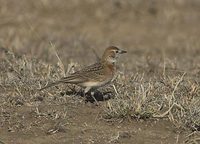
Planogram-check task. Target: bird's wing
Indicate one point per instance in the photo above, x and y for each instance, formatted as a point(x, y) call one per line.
point(73, 79)
point(90, 68)
point(93, 72)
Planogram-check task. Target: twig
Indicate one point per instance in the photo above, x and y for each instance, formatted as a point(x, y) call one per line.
point(59, 60)
point(165, 113)
point(96, 55)
point(115, 89)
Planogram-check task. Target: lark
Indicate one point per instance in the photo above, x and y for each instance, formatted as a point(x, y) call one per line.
point(96, 75)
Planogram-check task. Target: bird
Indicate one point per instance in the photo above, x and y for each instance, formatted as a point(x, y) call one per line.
point(96, 75)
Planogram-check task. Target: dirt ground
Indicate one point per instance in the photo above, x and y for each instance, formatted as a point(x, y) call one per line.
point(84, 125)
point(162, 39)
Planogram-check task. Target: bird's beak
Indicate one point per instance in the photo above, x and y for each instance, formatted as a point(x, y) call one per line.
point(122, 51)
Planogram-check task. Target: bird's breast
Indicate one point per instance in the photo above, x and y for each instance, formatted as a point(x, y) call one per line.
point(111, 69)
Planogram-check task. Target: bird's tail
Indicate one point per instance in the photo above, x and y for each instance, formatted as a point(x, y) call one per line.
point(50, 85)
point(73, 79)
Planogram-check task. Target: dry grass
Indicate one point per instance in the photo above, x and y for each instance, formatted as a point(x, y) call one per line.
point(174, 97)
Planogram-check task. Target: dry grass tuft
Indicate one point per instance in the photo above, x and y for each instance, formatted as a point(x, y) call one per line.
point(176, 98)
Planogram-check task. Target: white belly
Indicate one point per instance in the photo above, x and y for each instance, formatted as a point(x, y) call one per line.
point(94, 84)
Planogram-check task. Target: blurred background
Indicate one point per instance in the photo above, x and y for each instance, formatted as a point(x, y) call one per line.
point(155, 33)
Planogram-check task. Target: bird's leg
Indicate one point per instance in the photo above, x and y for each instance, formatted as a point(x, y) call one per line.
point(92, 94)
point(87, 89)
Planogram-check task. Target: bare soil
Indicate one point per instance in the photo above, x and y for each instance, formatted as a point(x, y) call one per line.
point(83, 124)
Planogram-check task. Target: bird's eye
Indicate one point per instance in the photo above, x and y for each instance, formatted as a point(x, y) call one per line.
point(117, 51)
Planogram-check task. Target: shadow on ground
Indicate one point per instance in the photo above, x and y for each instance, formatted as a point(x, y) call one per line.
point(99, 96)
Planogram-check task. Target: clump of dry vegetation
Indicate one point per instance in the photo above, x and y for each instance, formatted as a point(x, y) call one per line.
point(174, 97)
point(21, 78)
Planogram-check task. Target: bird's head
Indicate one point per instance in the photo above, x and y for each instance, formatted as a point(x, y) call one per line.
point(111, 54)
